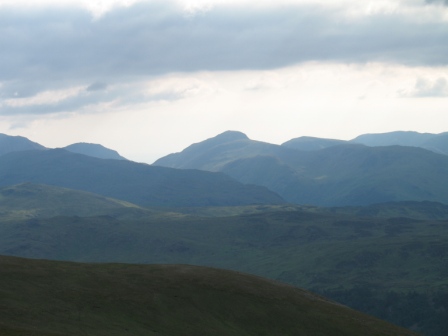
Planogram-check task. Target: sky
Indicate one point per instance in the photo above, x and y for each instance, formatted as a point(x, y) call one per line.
point(149, 78)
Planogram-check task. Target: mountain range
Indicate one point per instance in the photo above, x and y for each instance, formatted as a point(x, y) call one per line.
point(10, 144)
point(372, 168)
point(339, 174)
point(138, 183)
point(437, 143)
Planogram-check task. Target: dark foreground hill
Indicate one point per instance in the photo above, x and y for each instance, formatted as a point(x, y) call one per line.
point(339, 175)
point(130, 181)
point(46, 298)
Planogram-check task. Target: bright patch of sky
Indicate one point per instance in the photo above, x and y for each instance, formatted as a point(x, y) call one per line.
point(148, 78)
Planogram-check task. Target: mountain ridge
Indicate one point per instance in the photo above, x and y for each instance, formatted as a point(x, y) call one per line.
point(137, 183)
point(94, 150)
point(337, 175)
point(10, 144)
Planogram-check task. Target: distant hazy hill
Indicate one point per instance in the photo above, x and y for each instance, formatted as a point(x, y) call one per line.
point(10, 144)
point(348, 174)
point(133, 182)
point(437, 143)
point(306, 143)
point(94, 150)
point(56, 298)
point(401, 138)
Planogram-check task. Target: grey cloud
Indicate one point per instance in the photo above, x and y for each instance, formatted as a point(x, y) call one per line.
point(444, 2)
point(119, 96)
point(70, 104)
point(97, 86)
point(64, 47)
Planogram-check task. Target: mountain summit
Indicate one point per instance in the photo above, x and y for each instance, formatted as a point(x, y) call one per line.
point(10, 144)
point(94, 150)
point(214, 153)
point(231, 136)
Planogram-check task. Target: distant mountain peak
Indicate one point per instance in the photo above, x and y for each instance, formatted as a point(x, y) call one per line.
point(232, 136)
point(94, 150)
point(308, 143)
point(9, 143)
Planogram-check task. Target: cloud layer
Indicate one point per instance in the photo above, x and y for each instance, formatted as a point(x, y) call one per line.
point(57, 48)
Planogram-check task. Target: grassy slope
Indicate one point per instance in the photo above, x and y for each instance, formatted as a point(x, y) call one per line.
point(55, 298)
point(415, 210)
point(28, 200)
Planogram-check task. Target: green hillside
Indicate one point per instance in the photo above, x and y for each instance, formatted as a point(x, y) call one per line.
point(57, 298)
point(28, 200)
point(133, 182)
point(415, 210)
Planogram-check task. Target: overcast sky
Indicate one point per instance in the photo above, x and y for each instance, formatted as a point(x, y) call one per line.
point(148, 78)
